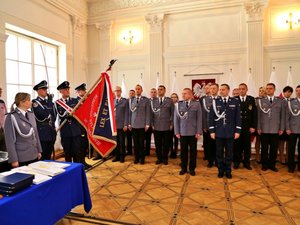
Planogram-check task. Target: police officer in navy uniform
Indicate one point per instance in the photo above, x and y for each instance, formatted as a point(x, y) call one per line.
point(225, 126)
point(81, 91)
point(188, 128)
point(242, 145)
point(71, 132)
point(43, 109)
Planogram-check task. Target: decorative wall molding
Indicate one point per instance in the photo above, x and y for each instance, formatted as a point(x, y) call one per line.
point(104, 26)
point(254, 10)
point(155, 22)
point(79, 8)
point(77, 24)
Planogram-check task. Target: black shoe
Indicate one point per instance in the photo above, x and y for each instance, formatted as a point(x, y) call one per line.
point(220, 174)
point(228, 175)
point(115, 160)
point(236, 166)
point(128, 153)
point(264, 168)
point(182, 172)
point(291, 170)
point(173, 156)
point(274, 169)
point(192, 173)
point(248, 167)
point(158, 162)
point(122, 160)
point(136, 161)
point(210, 164)
point(165, 162)
point(142, 162)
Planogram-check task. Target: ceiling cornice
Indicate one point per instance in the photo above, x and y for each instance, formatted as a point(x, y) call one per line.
point(77, 8)
point(99, 11)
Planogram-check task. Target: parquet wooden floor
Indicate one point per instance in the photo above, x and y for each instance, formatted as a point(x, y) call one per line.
point(157, 195)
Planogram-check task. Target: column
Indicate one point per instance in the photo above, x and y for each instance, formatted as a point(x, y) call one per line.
point(254, 12)
point(104, 29)
point(156, 47)
point(78, 55)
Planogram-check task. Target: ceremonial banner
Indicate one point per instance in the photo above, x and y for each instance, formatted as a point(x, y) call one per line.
point(96, 114)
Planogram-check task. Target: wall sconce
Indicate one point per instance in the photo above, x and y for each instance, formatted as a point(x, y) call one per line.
point(292, 20)
point(128, 37)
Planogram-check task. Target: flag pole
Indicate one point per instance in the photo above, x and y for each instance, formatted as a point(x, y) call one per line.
point(111, 63)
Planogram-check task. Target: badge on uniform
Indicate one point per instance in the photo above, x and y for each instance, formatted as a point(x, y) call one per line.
point(250, 107)
point(35, 104)
point(24, 125)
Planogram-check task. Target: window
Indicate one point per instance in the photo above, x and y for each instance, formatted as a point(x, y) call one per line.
point(28, 62)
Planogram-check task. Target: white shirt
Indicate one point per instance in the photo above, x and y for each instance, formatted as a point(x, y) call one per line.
point(22, 111)
point(243, 97)
point(227, 97)
point(271, 98)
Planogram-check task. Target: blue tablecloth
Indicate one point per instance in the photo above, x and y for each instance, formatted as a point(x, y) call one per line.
point(48, 202)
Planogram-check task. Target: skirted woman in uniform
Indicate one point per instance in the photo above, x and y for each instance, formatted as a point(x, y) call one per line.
point(21, 135)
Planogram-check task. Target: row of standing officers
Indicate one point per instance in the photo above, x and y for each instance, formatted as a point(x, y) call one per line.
point(225, 122)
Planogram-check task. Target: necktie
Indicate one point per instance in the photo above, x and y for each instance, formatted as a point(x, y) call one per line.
point(243, 99)
point(225, 101)
point(117, 100)
point(137, 100)
point(271, 100)
point(187, 104)
point(160, 102)
point(26, 115)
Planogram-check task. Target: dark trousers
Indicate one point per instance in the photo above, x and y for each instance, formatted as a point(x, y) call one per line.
point(148, 135)
point(269, 147)
point(173, 144)
point(188, 143)
point(206, 137)
point(162, 144)
point(211, 153)
point(224, 160)
point(71, 146)
point(292, 150)
point(138, 140)
point(27, 162)
point(48, 149)
point(242, 148)
point(2, 140)
point(129, 141)
point(120, 148)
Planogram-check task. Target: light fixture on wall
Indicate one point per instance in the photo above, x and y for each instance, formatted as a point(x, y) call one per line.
point(128, 37)
point(292, 20)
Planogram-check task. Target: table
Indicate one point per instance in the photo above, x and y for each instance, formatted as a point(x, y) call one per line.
point(48, 202)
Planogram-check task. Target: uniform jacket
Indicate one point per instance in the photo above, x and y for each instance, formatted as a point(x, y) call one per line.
point(162, 114)
point(230, 124)
point(248, 113)
point(139, 113)
point(45, 118)
point(293, 116)
point(188, 121)
point(206, 103)
point(271, 116)
point(121, 112)
point(20, 148)
point(71, 128)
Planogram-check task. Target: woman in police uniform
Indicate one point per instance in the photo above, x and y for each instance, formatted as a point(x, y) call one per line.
point(21, 135)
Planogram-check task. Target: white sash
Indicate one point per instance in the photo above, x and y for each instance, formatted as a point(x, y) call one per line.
point(204, 105)
point(154, 110)
point(64, 106)
point(291, 110)
point(184, 116)
point(220, 116)
point(264, 111)
point(16, 125)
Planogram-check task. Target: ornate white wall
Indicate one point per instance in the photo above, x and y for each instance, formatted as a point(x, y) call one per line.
point(186, 36)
